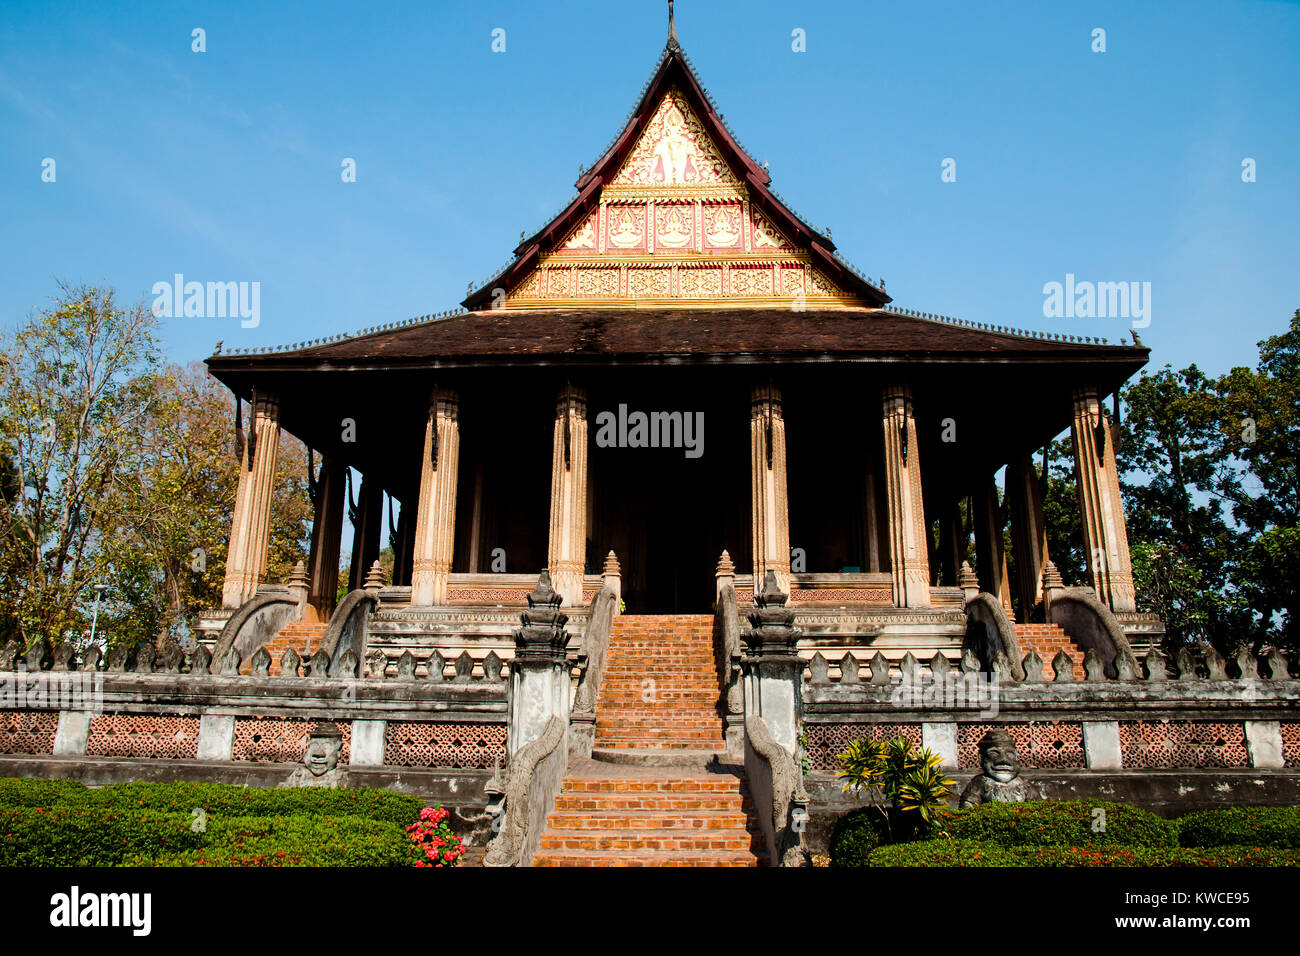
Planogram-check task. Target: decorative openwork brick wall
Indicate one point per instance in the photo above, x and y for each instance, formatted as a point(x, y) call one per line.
point(155, 736)
point(281, 739)
point(825, 741)
point(458, 745)
point(879, 596)
point(1182, 743)
point(28, 732)
point(1290, 742)
point(1039, 744)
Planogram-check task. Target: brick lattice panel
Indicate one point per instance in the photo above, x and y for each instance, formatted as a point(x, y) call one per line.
point(1039, 744)
point(826, 741)
point(881, 596)
point(1182, 743)
point(28, 732)
point(1290, 742)
point(281, 739)
point(464, 746)
point(152, 736)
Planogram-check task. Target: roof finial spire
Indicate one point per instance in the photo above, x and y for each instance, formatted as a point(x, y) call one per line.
point(672, 29)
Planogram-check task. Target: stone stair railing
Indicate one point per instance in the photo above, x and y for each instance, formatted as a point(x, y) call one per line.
point(595, 650)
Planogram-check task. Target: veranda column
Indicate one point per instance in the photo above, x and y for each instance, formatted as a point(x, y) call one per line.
point(990, 555)
point(326, 530)
point(908, 548)
point(435, 520)
point(250, 529)
point(1105, 537)
point(566, 553)
point(1028, 530)
point(770, 505)
point(365, 533)
point(872, 521)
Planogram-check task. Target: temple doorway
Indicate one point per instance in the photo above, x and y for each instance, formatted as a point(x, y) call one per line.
point(668, 515)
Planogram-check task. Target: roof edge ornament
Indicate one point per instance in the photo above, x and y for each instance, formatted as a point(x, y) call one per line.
point(673, 45)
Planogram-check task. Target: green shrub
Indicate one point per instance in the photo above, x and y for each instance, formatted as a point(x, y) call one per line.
point(30, 792)
point(293, 841)
point(88, 836)
point(968, 853)
point(1059, 823)
point(218, 799)
point(1241, 826)
point(856, 834)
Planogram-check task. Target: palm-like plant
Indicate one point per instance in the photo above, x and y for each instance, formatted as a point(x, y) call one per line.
point(908, 778)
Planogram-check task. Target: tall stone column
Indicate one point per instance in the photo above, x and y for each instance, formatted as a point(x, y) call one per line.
point(566, 553)
point(1105, 537)
point(250, 529)
point(990, 555)
point(435, 521)
point(1028, 530)
point(326, 531)
point(403, 543)
point(872, 515)
point(365, 533)
point(770, 504)
point(908, 548)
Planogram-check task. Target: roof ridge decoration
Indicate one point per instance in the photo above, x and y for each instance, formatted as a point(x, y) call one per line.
point(675, 212)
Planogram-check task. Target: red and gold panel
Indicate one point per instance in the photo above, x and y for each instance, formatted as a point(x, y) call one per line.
point(625, 227)
point(559, 283)
point(674, 227)
point(751, 280)
point(674, 150)
point(724, 230)
point(792, 280)
point(765, 237)
point(596, 283)
point(649, 283)
point(700, 282)
point(582, 239)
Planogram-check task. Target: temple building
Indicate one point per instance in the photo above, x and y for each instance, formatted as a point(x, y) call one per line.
point(676, 366)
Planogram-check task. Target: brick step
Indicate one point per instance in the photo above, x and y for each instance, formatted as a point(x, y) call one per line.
point(656, 785)
point(641, 802)
point(735, 841)
point(660, 743)
point(602, 858)
point(660, 718)
point(671, 819)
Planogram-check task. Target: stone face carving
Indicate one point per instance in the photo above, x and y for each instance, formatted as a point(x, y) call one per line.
point(999, 778)
point(320, 761)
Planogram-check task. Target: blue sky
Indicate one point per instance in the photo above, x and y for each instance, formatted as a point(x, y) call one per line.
point(225, 165)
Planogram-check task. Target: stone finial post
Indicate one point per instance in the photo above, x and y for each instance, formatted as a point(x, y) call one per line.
point(726, 573)
point(771, 667)
point(299, 587)
point(539, 673)
point(374, 578)
point(1053, 585)
point(612, 578)
point(969, 582)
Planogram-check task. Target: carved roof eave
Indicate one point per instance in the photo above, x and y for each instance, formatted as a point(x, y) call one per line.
point(675, 66)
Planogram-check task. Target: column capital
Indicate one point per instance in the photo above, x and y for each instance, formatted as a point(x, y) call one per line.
point(765, 395)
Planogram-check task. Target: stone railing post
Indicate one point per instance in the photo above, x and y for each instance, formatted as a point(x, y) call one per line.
point(726, 573)
point(539, 673)
point(771, 668)
point(612, 578)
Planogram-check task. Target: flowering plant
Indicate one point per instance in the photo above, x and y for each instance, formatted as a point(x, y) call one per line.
point(433, 843)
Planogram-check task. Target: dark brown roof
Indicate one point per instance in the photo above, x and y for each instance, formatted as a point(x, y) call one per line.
point(674, 70)
point(602, 336)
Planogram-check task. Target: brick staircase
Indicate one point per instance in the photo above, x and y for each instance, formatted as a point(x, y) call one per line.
point(1047, 640)
point(660, 792)
point(660, 689)
point(297, 636)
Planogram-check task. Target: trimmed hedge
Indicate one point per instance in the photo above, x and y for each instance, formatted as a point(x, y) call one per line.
point(293, 841)
point(969, 853)
point(217, 799)
point(1066, 823)
point(855, 835)
point(81, 836)
point(1241, 826)
point(31, 792)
